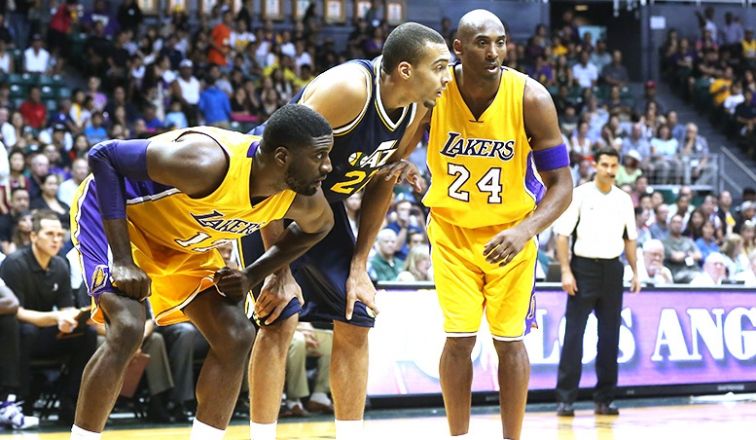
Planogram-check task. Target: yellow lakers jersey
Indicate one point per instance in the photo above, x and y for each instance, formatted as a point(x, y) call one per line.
point(482, 171)
point(171, 219)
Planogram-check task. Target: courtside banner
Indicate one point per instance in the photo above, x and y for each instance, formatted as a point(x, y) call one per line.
point(668, 337)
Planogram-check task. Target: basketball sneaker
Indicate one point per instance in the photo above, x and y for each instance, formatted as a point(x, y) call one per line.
point(11, 415)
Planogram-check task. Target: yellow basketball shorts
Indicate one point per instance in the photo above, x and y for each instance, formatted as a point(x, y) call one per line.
point(467, 285)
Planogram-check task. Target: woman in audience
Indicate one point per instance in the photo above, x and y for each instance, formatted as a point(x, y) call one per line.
point(48, 199)
point(748, 232)
point(694, 228)
point(580, 142)
point(418, 265)
point(707, 242)
point(735, 258)
point(17, 178)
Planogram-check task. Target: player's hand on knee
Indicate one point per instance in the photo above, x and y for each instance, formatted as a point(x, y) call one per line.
point(505, 246)
point(232, 283)
point(277, 292)
point(131, 281)
point(359, 287)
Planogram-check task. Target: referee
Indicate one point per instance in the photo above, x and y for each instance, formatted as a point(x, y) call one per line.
point(601, 221)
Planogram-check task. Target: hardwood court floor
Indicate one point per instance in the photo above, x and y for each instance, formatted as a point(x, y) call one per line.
point(689, 422)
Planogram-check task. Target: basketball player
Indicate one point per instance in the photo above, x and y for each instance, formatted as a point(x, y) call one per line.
point(376, 108)
point(490, 131)
point(147, 224)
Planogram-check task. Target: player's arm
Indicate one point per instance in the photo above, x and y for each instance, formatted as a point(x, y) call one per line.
point(172, 163)
point(313, 219)
point(552, 162)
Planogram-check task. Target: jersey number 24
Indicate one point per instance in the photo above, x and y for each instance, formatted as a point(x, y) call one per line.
point(490, 183)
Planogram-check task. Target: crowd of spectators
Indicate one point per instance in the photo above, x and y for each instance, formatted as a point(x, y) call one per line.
point(144, 77)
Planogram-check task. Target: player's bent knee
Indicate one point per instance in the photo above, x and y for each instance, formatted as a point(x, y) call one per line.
point(125, 337)
point(239, 339)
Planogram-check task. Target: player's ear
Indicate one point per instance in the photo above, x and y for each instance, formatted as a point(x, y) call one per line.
point(405, 69)
point(457, 47)
point(281, 156)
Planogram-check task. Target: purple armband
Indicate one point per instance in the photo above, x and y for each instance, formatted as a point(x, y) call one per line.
point(110, 162)
point(551, 158)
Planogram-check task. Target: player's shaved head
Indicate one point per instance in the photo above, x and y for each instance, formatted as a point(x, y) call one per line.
point(407, 43)
point(474, 22)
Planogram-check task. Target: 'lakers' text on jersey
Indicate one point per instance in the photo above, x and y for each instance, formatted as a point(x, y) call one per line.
point(482, 171)
point(367, 143)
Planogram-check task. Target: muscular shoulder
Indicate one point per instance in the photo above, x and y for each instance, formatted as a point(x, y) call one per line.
point(536, 96)
point(176, 163)
point(339, 94)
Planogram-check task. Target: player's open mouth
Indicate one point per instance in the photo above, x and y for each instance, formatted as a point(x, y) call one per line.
point(492, 67)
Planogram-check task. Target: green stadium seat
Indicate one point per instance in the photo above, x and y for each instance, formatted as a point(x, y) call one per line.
point(51, 105)
point(47, 92)
point(64, 93)
point(17, 91)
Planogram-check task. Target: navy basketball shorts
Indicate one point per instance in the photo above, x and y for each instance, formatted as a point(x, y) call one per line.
point(322, 273)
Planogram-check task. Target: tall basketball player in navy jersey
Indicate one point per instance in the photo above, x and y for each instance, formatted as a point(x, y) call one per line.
point(375, 108)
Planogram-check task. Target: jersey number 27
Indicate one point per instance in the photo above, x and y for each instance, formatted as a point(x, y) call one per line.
point(490, 183)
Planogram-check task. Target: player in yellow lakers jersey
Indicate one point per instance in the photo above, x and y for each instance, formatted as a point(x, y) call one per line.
point(148, 222)
point(499, 176)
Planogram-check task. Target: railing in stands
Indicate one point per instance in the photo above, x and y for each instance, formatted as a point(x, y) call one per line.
point(733, 160)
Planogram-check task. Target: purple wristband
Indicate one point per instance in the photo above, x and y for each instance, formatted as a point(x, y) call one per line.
point(551, 158)
point(111, 162)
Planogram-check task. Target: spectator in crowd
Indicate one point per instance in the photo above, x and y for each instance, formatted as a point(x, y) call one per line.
point(384, 266)
point(714, 271)
point(631, 169)
point(724, 206)
point(735, 258)
point(404, 221)
point(40, 280)
point(33, 110)
point(641, 225)
point(664, 162)
point(417, 267)
point(7, 64)
point(707, 243)
point(16, 177)
point(695, 224)
point(36, 58)
point(748, 232)
point(659, 228)
point(215, 104)
point(220, 42)
point(19, 204)
point(747, 212)
point(652, 269)
point(67, 189)
point(48, 200)
point(308, 342)
point(188, 92)
point(615, 74)
point(95, 131)
point(748, 277)
point(585, 73)
point(580, 143)
point(681, 253)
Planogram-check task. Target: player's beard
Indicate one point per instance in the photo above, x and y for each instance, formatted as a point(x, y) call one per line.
point(300, 186)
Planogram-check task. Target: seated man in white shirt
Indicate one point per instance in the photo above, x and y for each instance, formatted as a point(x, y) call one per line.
point(36, 58)
point(651, 269)
point(714, 271)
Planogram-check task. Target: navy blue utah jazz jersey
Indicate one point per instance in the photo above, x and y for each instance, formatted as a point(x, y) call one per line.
point(364, 145)
point(360, 149)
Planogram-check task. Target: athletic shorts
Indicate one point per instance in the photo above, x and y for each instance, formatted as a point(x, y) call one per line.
point(467, 285)
point(322, 274)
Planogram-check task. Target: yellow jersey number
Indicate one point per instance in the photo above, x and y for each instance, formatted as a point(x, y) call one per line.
point(356, 180)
